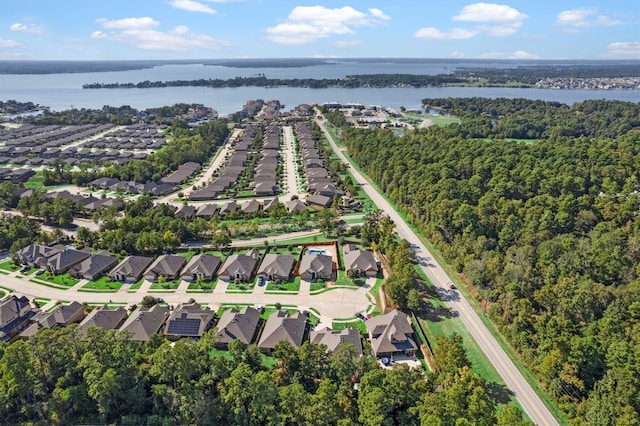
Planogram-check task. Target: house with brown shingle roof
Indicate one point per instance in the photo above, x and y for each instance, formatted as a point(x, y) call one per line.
point(60, 316)
point(167, 266)
point(276, 266)
point(334, 339)
point(282, 326)
point(361, 262)
point(62, 261)
point(105, 318)
point(391, 334)
point(315, 266)
point(201, 266)
point(143, 323)
point(238, 267)
point(130, 269)
point(15, 314)
point(188, 320)
point(33, 254)
point(237, 325)
point(94, 267)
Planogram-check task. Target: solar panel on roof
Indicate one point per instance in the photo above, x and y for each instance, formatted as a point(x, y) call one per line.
point(184, 326)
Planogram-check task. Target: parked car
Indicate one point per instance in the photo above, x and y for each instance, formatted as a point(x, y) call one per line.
point(40, 272)
point(24, 268)
point(362, 317)
point(385, 361)
point(261, 281)
point(452, 286)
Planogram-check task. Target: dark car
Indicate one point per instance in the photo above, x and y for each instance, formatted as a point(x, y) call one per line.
point(452, 286)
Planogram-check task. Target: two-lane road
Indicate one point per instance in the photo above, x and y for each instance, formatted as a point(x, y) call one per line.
point(526, 396)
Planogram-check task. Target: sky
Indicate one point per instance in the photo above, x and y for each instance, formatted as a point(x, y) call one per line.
point(217, 29)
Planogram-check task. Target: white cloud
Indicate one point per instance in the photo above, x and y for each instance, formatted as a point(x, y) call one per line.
point(518, 54)
point(343, 44)
point(33, 29)
point(575, 20)
point(142, 34)
point(489, 12)
point(496, 20)
point(129, 23)
point(8, 44)
point(432, 33)
point(456, 54)
point(192, 6)
point(623, 50)
point(307, 24)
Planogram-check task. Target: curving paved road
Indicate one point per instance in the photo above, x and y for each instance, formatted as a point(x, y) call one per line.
point(528, 399)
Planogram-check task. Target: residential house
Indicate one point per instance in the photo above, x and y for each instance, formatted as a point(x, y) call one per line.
point(316, 266)
point(188, 320)
point(237, 325)
point(201, 266)
point(250, 207)
point(63, 260)
point(94, 267)
point(391, 334)
point(283, 326)
point(33, 254)
point(105, 318)
point(130, 269)
point(143, 323)
point(15, 314)
point(60, 316)
point(276, 266)
point(185, 212)
point(238, 267)
point(296, 206)
point(167, 266)
point(206, 211)
point(360, 262)
point(333, 339)
point(270, 203)
point(228, 207)
point(318, 201)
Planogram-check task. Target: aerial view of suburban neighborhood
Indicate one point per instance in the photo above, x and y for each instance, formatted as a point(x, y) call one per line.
point(221, 212)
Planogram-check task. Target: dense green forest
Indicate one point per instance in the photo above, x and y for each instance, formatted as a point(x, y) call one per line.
point(546, 232)
point(57, 378)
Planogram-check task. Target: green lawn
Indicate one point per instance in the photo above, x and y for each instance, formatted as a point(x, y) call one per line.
point(344, 280)
point(103, 283)
point(35, 181)
point(318, 285)
point(291, 285)
point(63, 279)
point(240, 287)
point(9, 266)
point(166, 285)
point(357, 324)
point(204, 285)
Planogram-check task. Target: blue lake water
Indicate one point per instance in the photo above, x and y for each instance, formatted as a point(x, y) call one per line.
point(64, 91)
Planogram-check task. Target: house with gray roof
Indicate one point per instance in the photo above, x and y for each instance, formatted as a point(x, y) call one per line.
point(283, 326)
point(206, 211)
point(94, 267)
point(33, 254)
point(167, 266)
point(315, 266)
point(276, 266)
point(237, 325)
point(296, 206)
point(333, 339)
point(15, 315)
point(143, 323)
point(130, 269)
point(185, 212)
point(105, 318)
point(201, 266)
point(228, 207)
point(63, 260)
point(251, 206)
point(60, 316)
point(270, 203)
point(238, 267)
point(391, 334)
point(188, 320)
point(360, 262)
point(319, 201)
